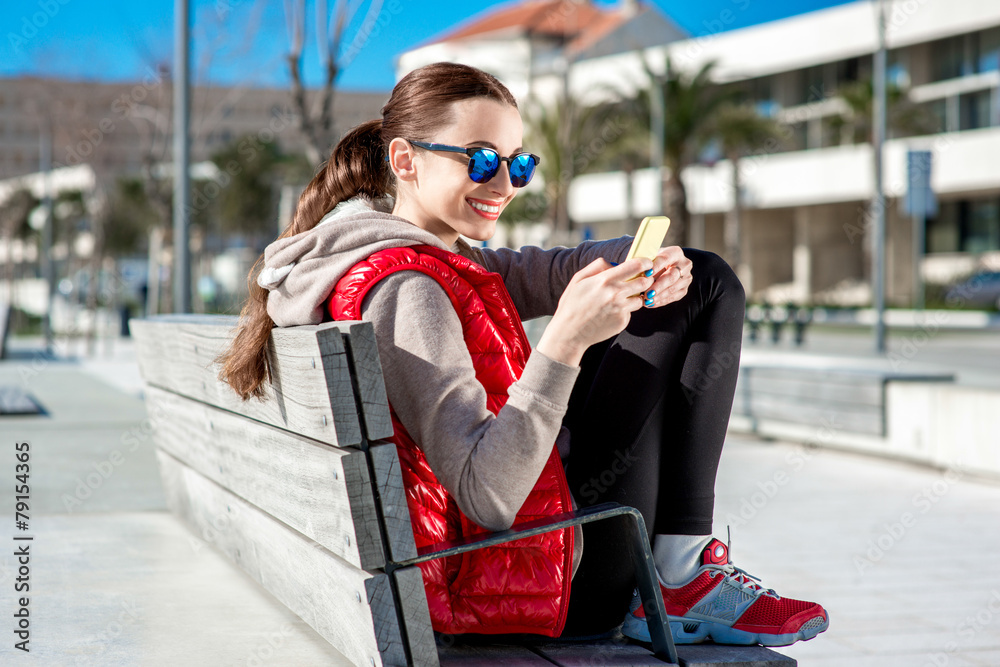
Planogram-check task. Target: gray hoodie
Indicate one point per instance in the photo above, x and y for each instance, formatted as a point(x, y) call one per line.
point(488, 463)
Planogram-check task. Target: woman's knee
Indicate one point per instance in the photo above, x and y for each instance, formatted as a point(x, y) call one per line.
point(714, 275)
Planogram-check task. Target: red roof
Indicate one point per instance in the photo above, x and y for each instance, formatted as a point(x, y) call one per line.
point(567, 19)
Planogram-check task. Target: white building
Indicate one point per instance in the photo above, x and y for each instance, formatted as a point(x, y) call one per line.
point(522, 42)
point(804, 232)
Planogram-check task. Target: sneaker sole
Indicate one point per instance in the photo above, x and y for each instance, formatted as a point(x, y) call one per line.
point(692, 631)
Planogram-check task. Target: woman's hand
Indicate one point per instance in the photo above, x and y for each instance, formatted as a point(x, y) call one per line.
point(672, 273)
point(597, 304)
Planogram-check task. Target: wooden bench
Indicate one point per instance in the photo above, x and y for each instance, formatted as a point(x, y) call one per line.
point(303, 492)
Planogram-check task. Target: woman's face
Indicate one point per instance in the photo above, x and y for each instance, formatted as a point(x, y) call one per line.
point(437, 194)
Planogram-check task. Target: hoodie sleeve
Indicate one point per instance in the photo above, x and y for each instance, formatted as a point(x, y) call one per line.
point(536, 278)
point(488, 463)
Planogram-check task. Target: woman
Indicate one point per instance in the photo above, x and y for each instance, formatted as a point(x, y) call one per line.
point(632, 380)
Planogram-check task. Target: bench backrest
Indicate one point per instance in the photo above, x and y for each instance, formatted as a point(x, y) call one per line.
point(299, 489)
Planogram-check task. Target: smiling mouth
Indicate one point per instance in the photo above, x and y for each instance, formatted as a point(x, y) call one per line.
point(487, 210)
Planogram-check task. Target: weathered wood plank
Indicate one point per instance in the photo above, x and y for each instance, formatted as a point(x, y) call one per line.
point(392, 499)
point(618, 653)
point(717, 655)
point(362, 349)
point(344, 604)
point(311, 392)
point(416, 616)
point(490, 656)
point(321, 491)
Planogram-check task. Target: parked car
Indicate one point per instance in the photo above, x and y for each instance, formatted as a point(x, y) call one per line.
point(981, 290)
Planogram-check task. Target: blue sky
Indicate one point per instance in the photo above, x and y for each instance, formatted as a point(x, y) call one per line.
point(242, 42)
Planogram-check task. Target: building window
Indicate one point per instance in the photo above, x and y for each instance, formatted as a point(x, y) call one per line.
point(937, 110)
point(847, 70)
point(831, 131)
point(798, 138)
point(965, 54)
point(974, 110)
point(965, 226)
point(989, 50)
point(810, 86)
point(946, 58)
point(982, 233)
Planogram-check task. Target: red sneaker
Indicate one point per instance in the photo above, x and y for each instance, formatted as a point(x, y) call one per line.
point(723, 604)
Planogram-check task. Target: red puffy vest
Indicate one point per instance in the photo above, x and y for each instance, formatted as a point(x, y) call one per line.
point(517, 587)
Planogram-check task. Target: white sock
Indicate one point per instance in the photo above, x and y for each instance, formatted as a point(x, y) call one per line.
point(677, 557)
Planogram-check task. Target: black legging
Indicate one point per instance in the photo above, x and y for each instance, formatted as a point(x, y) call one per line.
point(647, 417)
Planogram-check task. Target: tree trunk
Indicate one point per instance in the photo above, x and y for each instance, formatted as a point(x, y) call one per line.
point(674, 205)
point(733, 218)
point(153, 275)
point(631, 223)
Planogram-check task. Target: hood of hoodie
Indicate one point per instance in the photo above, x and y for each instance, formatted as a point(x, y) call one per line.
point(301, 271)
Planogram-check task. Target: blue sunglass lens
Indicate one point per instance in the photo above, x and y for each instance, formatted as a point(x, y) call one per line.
point(522, 168)
point(483, 165)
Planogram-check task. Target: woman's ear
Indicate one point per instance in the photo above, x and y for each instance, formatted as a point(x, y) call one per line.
point(401, 159)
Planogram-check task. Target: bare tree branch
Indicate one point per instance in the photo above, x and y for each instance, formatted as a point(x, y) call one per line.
point(317, 124)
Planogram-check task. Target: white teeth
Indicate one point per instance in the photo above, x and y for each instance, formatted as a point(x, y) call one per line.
point(485, 207)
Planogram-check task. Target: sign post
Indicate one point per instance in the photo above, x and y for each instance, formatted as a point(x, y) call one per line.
point(919, 204)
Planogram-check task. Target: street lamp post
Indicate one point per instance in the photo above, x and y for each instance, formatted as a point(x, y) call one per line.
point(878, 202)
point(182, 157)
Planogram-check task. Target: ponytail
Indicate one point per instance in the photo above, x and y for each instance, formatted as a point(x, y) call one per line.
point(356, 167)
point(420, 104)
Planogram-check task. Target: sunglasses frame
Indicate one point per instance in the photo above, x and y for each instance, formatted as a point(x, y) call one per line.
point(471, 152)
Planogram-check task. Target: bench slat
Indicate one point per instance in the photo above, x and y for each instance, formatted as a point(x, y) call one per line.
point(491, 656)
point(607, 652)
point(362, 349)
point(311, 394)
point(416, 616)
point(389, 482)
point(347, 606)
point(321, 491)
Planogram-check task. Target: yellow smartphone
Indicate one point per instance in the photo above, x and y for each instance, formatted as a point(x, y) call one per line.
point(649, 238)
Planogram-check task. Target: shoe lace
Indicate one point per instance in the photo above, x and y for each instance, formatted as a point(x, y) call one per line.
point(739, 576)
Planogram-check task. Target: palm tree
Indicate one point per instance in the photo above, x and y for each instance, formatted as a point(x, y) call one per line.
point(740, 131)
point(559, 132)
point(904, 116)
point(689, 104)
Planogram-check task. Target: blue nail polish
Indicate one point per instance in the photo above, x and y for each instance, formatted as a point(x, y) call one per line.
point(649, 273)
point(650, 294)
point(615, 263)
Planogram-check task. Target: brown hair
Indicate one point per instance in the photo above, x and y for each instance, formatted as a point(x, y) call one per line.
point(419, 105)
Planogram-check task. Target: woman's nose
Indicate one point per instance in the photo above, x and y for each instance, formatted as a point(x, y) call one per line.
point(500, 183)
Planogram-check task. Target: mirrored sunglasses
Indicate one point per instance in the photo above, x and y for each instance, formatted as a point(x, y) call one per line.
point(484, 163)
